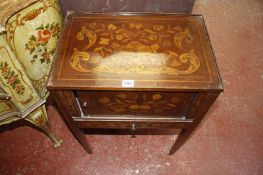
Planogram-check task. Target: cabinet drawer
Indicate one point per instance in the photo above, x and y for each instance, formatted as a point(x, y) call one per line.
point(134, 103)
point(128, 124)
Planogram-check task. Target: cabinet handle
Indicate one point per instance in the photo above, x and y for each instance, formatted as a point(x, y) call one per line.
point(132, 131)
point(85, 104)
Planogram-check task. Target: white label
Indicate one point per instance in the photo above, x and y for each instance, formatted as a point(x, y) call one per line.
point(127, 83)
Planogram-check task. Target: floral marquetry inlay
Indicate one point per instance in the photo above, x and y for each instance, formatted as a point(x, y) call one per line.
point(126, 47)
point(139, 104)
point(155, 51)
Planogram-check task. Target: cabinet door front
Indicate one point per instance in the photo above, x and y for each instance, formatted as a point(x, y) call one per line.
point(133, 103)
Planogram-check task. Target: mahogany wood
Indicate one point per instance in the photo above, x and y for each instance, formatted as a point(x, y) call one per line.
point(134, 71)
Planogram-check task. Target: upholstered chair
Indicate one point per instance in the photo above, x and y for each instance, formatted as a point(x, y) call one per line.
point(29, 34)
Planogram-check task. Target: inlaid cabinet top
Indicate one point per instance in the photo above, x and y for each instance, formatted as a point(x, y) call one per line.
point(138, 51)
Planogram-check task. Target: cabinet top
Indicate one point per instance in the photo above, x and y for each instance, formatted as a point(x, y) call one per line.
point(140, 51)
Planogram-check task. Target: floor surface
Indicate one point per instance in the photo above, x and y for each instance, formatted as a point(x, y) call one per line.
point(229, 141)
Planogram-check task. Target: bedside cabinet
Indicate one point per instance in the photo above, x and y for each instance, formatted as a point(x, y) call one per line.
point(134, 71)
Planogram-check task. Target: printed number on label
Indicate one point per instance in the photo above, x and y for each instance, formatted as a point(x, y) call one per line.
point(127, 83)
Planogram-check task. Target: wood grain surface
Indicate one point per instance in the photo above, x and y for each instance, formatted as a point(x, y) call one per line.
point(156, 51)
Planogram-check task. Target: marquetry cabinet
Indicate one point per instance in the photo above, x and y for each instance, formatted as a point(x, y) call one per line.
point(134, 71)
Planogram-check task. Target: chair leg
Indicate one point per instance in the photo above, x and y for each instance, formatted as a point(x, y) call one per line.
point(39, 118)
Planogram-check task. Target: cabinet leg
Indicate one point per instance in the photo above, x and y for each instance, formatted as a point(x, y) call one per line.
point(199, 108)
point(79, 135)
point(82, 140)
point(39, 118)
point(183, 136)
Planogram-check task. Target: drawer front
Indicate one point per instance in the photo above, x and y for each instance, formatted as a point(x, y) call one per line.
point(131, 124)
point(131, 103)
